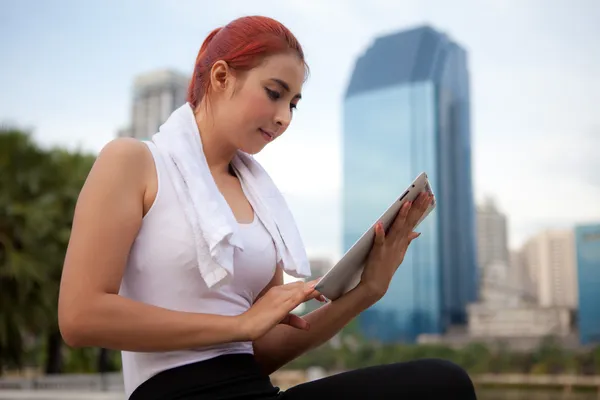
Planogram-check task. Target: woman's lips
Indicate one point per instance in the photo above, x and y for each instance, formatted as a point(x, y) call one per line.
point(266, 135)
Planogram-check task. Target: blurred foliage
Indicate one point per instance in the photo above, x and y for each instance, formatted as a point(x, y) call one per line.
point(477, 358)
point(38, 191)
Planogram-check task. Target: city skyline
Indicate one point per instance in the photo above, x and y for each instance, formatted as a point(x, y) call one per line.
point(533, 99)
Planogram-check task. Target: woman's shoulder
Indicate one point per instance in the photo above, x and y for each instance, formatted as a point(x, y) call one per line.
point(126, 158)
point(125, 166)
point(125, 148)
point(126, 152)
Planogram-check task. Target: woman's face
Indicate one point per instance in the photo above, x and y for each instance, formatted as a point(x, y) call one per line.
point(255, 107)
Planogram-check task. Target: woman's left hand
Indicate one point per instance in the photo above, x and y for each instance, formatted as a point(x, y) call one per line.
point(389, 250)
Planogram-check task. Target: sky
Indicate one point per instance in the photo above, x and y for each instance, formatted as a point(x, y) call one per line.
point(67, 67)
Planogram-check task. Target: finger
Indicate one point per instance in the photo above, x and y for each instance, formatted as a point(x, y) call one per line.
point(417, 211)
point(379, 234)
point(427, 201)
point(295, 321)
point(302, 294)
point(308, 291)
point(422, 201)
point(310, 285)
point(293, 285)
point(400, 220)
point(298, 286)
point(313, 295)
point(296, 293)
point(413, 235)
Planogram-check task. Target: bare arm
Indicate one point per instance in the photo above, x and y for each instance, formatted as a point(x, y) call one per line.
point(107, 219)
point(284, 343)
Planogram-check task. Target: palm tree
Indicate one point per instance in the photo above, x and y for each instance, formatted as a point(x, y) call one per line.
point(38, 191)
point(21, 273)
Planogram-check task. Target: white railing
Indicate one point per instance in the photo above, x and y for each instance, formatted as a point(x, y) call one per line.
point(111, 382)
point(110, 386)
point(58, 395)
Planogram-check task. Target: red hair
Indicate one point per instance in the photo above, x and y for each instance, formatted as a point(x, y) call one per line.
point(242, 44)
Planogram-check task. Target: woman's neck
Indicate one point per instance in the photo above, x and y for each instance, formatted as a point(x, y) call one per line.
point(217, 150)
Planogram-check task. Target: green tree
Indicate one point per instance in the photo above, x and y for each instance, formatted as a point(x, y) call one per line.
point(70, 170)
point(595, 356)
point(22, 180)
point(475, 358)
point(550, 358)
point(38, 191)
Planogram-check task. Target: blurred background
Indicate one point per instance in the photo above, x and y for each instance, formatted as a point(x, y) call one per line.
point(496, 100)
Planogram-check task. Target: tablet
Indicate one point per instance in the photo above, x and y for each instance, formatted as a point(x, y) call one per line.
point(345, 275)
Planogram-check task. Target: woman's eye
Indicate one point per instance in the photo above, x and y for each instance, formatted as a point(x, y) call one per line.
point(273, 94)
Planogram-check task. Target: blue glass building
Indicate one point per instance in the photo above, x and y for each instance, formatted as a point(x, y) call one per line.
point(587, 242)
point(407, 110)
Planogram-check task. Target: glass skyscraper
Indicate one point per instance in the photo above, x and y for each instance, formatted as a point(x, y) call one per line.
point(407, 110)
point(587, 242)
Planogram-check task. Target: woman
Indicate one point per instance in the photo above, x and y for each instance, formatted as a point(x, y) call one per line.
point(129, 232)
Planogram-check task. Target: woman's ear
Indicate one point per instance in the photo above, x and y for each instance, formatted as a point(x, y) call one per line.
point(221, 77)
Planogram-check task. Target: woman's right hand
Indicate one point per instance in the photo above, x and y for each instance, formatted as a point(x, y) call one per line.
point(275, 307)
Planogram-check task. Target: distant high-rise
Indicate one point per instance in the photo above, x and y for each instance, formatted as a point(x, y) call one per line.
point(407, 110)
point(492, 236)
point(495, 286)
point(520, 279)
point(550, 260)
point(155, 96)
point(587, 238)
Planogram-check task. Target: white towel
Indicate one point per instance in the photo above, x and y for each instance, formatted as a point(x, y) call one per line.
point(214, 227)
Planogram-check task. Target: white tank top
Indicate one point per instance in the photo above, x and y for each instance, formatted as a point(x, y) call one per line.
point(162, 271)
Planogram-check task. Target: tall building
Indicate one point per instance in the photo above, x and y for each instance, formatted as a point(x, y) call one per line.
point(492, 235)
point(156, 95)
point(587, 238)
point(550, 260)
point(495, 285)
point(407, 110)
point(520, 279)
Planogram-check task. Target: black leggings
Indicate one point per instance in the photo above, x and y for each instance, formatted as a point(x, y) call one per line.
point(237, 377)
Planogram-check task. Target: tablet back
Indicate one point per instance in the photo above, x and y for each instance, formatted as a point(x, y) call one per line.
point(346, 274)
